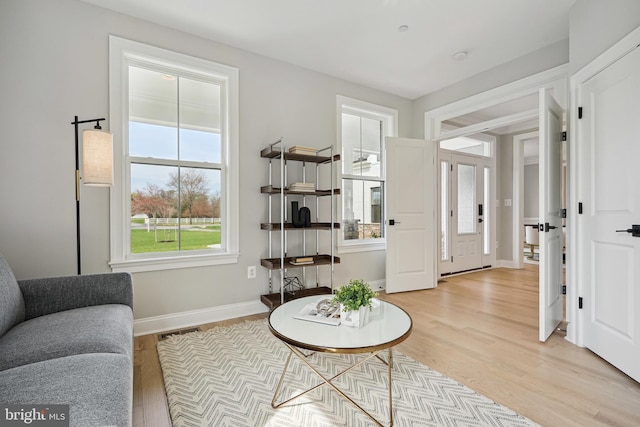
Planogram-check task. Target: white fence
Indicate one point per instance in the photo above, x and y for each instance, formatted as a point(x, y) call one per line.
point(186, 221)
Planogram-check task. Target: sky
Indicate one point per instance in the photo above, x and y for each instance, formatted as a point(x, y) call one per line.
point(164, 142)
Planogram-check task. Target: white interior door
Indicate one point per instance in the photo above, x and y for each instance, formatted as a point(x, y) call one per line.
point(609, 260)
point(550, 237)
point(411, 186)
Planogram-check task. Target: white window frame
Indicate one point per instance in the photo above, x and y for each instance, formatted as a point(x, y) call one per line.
point(123, 53)
point(389, 118)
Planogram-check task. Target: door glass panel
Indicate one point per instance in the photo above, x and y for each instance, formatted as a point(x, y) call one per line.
point(466, 199)
point(444, 210)
point(486, 241)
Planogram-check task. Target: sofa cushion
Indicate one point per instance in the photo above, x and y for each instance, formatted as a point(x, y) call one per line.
point(96, 329)
point(11, 301)
point(97, 387)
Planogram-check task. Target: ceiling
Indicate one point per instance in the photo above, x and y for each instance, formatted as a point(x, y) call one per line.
point(360, 40)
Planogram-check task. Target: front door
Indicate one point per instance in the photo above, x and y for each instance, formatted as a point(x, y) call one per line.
point(610, 249)
point(411, 210)
point(465, 237)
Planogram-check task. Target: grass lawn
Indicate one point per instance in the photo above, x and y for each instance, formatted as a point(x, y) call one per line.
point(195, 238)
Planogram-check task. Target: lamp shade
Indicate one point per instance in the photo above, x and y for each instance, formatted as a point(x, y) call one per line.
point(97, 158)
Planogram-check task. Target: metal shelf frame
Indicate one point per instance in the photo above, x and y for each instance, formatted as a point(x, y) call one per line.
point(278, 152)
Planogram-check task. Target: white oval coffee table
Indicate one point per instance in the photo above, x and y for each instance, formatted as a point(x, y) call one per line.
point(388, 326)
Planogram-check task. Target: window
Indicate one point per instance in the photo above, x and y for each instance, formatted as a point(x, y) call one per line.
point(363, 127)
point(174, 120)
point(479, 144)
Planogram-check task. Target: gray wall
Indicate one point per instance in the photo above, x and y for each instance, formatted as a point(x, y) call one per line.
point(531, 190)
point(596, 25)
point(527, 65)
point(55, 66)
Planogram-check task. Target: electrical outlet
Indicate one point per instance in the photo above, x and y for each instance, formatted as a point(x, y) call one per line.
point(507, 202)
point(251, 272)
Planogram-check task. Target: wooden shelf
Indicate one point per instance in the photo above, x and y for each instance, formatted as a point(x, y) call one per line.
point(270, 189)
point(273, 300)
point(274, 263)
point(275, 226)
point(273, 153)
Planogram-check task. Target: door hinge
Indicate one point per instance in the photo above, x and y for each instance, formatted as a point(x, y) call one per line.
point(580, 303)
point(580, 208)
point(579, 112)
point(564, 136)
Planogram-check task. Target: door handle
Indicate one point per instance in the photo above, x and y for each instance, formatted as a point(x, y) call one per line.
point(546, 227)
point(393, 222)
point(634, 230)
point(480, 220)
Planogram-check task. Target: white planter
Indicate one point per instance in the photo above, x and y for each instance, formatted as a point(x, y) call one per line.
point(356, 318)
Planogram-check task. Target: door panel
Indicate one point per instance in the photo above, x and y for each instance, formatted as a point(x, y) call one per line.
point(550, 289)
point(411, 238)
point(466, 236)
point(611, 260)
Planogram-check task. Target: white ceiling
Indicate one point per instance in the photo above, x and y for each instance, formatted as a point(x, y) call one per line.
point(359, 40)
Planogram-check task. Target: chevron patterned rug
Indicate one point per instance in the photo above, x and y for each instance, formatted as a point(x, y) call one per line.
point(226, 376)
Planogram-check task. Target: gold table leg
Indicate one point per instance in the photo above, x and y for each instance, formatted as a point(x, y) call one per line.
point(329, 381)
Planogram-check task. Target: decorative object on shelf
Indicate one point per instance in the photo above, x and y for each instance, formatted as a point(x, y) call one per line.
point(305, 260)
point(292, 285)
point(356, 302)
point(300, 217)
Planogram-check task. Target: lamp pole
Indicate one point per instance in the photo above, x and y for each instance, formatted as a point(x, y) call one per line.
point(76, 122)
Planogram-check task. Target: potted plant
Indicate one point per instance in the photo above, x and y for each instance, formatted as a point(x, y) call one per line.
point(356, 301)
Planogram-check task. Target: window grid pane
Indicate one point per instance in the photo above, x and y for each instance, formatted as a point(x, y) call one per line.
point(363, 209)
point(173, 120)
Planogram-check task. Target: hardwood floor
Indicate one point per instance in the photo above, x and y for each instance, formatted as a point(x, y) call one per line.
point(480, 329)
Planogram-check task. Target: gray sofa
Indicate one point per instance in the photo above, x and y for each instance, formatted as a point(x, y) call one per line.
point(68, 340)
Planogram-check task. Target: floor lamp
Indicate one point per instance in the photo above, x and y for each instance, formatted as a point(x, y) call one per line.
point(97, 165)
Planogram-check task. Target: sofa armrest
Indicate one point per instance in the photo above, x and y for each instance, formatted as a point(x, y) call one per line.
point(54, 294)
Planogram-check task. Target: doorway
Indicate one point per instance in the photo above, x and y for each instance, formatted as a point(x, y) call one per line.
point(493, 111)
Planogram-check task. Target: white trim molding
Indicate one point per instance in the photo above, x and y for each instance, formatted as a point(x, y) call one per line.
point(122, 54)
point(185, 319)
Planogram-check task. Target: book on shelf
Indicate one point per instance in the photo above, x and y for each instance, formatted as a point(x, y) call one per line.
point(299, 149)
point(302, 186)
point(302, 260)
point(321, 311)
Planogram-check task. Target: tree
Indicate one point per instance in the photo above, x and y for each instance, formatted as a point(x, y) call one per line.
point(153, 201)
point(191, 184)
point(215, 205)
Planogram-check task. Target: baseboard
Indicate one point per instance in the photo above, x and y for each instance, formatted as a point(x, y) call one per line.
point(376, 285)
point(505, 263)
point(168, 322)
